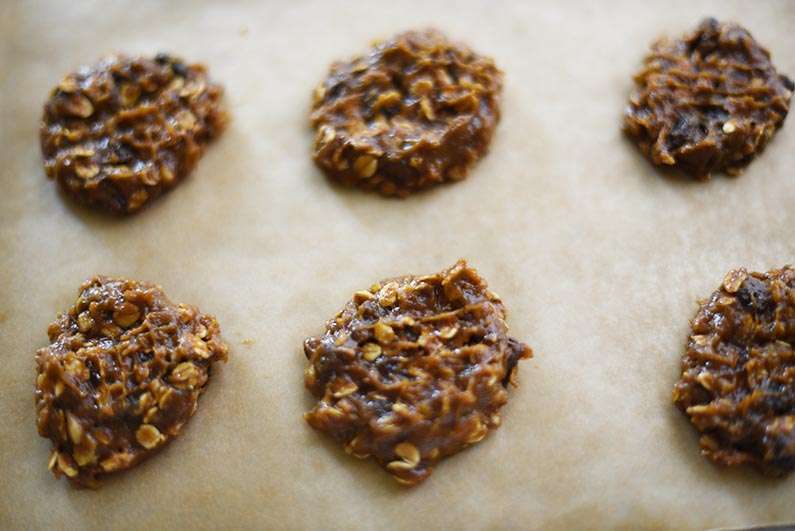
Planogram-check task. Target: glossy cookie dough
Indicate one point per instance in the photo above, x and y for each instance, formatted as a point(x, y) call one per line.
point(413, 369)
point(123, 131)
point(738, 373)
point(415, 111)
point(121, 376)
point(708, 102)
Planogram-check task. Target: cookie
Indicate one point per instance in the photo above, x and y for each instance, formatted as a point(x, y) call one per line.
point(120, 133)
point(121, 376)
point(413, 369)
point(708, 102)
point(415, 111)
point(738, 372)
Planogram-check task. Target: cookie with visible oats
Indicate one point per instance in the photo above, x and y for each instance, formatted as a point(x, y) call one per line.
point(120, 133)
point(708, 102)
point(121, 376)
point(413, 369)
point(415, 111)
point(738, 373)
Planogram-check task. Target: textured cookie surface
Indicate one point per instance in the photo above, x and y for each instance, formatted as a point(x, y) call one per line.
point(121, 376)
point(118, 134)
point(413, 369)
point(708, 102)
point(417, 110)
point(738, 373)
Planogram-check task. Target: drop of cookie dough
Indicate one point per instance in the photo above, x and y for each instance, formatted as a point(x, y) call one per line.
point(708, 102)
point(738, 372)
point(415, 111)
point(413, 369)
point(118, 134)
point(121, 376)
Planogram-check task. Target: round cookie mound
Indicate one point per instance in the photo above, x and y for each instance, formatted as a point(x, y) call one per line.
point(120, 133)
point(708, 102)
point(122, 374)
point(412, 370)
point(417, 110)
point(738, 374)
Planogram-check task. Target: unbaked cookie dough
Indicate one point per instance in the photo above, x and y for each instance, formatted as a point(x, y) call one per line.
point(121, 376)
point(708, 102)
point(415, 111)
point(413, 369)
point(121, 132)
point(738, 373)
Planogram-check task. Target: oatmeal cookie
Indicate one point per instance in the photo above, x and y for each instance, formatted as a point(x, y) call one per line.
point(415, 111)
point(121, 376)
point(738, 373)
point(413, 369)
point(118, 134)
point(708, 102)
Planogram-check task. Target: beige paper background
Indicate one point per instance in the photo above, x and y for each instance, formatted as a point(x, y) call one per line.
point(598, 257)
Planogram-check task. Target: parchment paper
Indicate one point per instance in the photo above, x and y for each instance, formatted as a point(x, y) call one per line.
point(599, 259)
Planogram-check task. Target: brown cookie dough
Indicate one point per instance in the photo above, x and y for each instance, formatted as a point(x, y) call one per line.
point(123, 373)
point(413, 369)
point(708, 102)
point(415, 111)
point(120, 133)
point(738, 374)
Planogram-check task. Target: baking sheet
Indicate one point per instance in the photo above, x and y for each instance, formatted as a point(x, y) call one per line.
point(598, 257)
